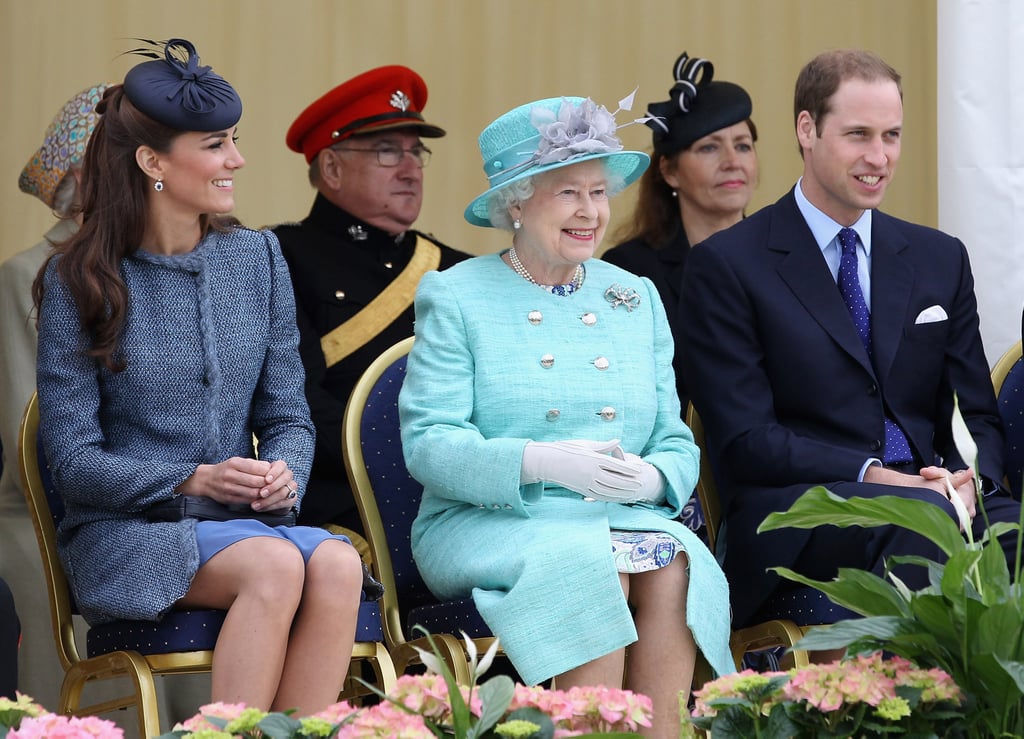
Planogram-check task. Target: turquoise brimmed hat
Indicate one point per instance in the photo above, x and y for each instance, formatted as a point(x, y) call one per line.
point(545, 135)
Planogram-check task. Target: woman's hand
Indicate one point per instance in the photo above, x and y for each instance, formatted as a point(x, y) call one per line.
point(265, 486)
point(582, 466)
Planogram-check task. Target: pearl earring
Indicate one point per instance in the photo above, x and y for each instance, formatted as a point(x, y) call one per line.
point(158, 185)
point(675, 194)
point(517, 224)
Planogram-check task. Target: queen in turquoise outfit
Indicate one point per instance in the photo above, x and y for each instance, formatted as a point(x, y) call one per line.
point(539, 411)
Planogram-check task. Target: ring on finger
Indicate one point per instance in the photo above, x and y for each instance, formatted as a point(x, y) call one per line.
point(292, 492)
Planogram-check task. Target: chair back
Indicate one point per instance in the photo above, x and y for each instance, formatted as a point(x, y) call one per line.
point(46, 510)
point(707, 491)
point(388, 498)
point(1008, 382)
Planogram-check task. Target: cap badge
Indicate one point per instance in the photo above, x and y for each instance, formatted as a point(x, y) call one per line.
point(399, 100)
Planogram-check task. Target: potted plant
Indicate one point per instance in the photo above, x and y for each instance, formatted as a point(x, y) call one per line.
point(968, 622)
point(859, 697)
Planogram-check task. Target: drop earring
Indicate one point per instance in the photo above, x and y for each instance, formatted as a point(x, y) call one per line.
point(158, 185)
point(517, 224)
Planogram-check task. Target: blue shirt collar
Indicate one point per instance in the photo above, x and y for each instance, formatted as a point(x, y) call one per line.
point(824, 229)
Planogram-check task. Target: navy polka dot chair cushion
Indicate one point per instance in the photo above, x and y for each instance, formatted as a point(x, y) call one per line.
point(398, 498)
point(1011, 411)
point(804, 607)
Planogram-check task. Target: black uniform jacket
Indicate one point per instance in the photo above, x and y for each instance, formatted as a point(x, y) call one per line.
point(338, 265)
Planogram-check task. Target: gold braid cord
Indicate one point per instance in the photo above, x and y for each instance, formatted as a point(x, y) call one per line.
point(384, 309)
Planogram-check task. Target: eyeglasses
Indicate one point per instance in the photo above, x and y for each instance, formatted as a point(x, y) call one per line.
point(391, 156)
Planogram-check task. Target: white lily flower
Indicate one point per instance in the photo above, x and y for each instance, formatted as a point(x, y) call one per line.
point(485, 663)
point(961, 510)
point(962, 438)
point(430, 660)
point(470, 650)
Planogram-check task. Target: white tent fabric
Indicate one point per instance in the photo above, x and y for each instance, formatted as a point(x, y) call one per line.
point(980, 129)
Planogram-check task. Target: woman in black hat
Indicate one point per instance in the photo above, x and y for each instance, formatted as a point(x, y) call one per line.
point(167, 343)
point(701, 179)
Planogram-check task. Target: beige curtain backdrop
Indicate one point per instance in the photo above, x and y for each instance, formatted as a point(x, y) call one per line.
point(479, 57)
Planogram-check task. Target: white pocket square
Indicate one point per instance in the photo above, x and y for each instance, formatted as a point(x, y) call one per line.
point(931, 315)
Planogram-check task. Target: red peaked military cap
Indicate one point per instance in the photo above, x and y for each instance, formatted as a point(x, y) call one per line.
point(377, 100)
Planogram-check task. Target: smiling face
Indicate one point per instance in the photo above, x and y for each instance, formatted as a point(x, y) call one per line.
point(851, 155)
point(198, 172)
point(386, 197)
point(716, 175)
point(563, 222)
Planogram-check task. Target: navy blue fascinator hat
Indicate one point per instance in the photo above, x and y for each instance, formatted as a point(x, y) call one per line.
point(697, 106)
point(176, 91)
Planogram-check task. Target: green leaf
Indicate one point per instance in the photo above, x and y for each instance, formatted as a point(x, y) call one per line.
point(734, 723)
point(943, 620)
point(1015, 670)
point(994, 574)
point(495, 695)
point(858, 590)
point(844, 633)
point(538, 717)
point(820, 507)
point(278, 726)
point(999, 631)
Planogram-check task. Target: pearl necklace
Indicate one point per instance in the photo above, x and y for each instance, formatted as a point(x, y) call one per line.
point(571, 287)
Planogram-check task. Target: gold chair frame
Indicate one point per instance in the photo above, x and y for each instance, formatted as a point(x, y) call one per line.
point(1003, 366)
point(402, 648)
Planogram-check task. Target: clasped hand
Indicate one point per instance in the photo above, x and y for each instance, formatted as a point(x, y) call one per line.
point(595, 469)
point(262, 485)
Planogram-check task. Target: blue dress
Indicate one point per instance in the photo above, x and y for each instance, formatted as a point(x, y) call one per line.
point(498, 362)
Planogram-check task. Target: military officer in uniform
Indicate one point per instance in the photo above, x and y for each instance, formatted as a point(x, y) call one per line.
point(356, 260)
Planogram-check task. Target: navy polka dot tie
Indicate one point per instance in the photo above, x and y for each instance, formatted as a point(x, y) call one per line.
point(897, 448)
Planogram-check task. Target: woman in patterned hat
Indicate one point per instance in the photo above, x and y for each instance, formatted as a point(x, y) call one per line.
point(167, 343)
point(540, 414)
point(703, 175)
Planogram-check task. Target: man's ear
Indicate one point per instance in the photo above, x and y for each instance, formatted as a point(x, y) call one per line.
point(806, 130)
point(149, 162)
point(330, 168)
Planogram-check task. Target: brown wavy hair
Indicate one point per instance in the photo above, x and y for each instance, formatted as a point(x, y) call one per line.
point(114, 213)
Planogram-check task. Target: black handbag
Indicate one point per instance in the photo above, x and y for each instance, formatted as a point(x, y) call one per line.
point(207, 509)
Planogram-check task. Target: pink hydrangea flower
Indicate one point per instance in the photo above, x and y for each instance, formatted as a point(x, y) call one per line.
point(53, 726)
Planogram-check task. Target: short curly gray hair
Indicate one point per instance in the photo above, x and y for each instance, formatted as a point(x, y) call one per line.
point(518, 192)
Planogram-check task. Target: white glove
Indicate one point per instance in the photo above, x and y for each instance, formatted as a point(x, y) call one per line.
point(584, 467)
point(652, 482)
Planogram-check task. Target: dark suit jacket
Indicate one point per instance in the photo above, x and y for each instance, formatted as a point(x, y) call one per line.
point(786, 391)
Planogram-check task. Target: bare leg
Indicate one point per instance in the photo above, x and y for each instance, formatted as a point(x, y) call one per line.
point(259, 582)
point(324, 630)
point(661, 661)
point(606, 670)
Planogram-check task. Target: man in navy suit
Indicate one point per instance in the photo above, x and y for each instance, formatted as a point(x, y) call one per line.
point(813, 367)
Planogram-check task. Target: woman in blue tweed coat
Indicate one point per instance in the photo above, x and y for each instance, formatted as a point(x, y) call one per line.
point(167, 341)
point(539, 411)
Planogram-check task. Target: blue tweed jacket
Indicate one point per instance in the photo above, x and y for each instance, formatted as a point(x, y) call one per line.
point(212, 358)
point(498, 362)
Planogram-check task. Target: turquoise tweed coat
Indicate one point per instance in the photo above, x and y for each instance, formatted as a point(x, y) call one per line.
point(498, 362)
point(211, 346)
